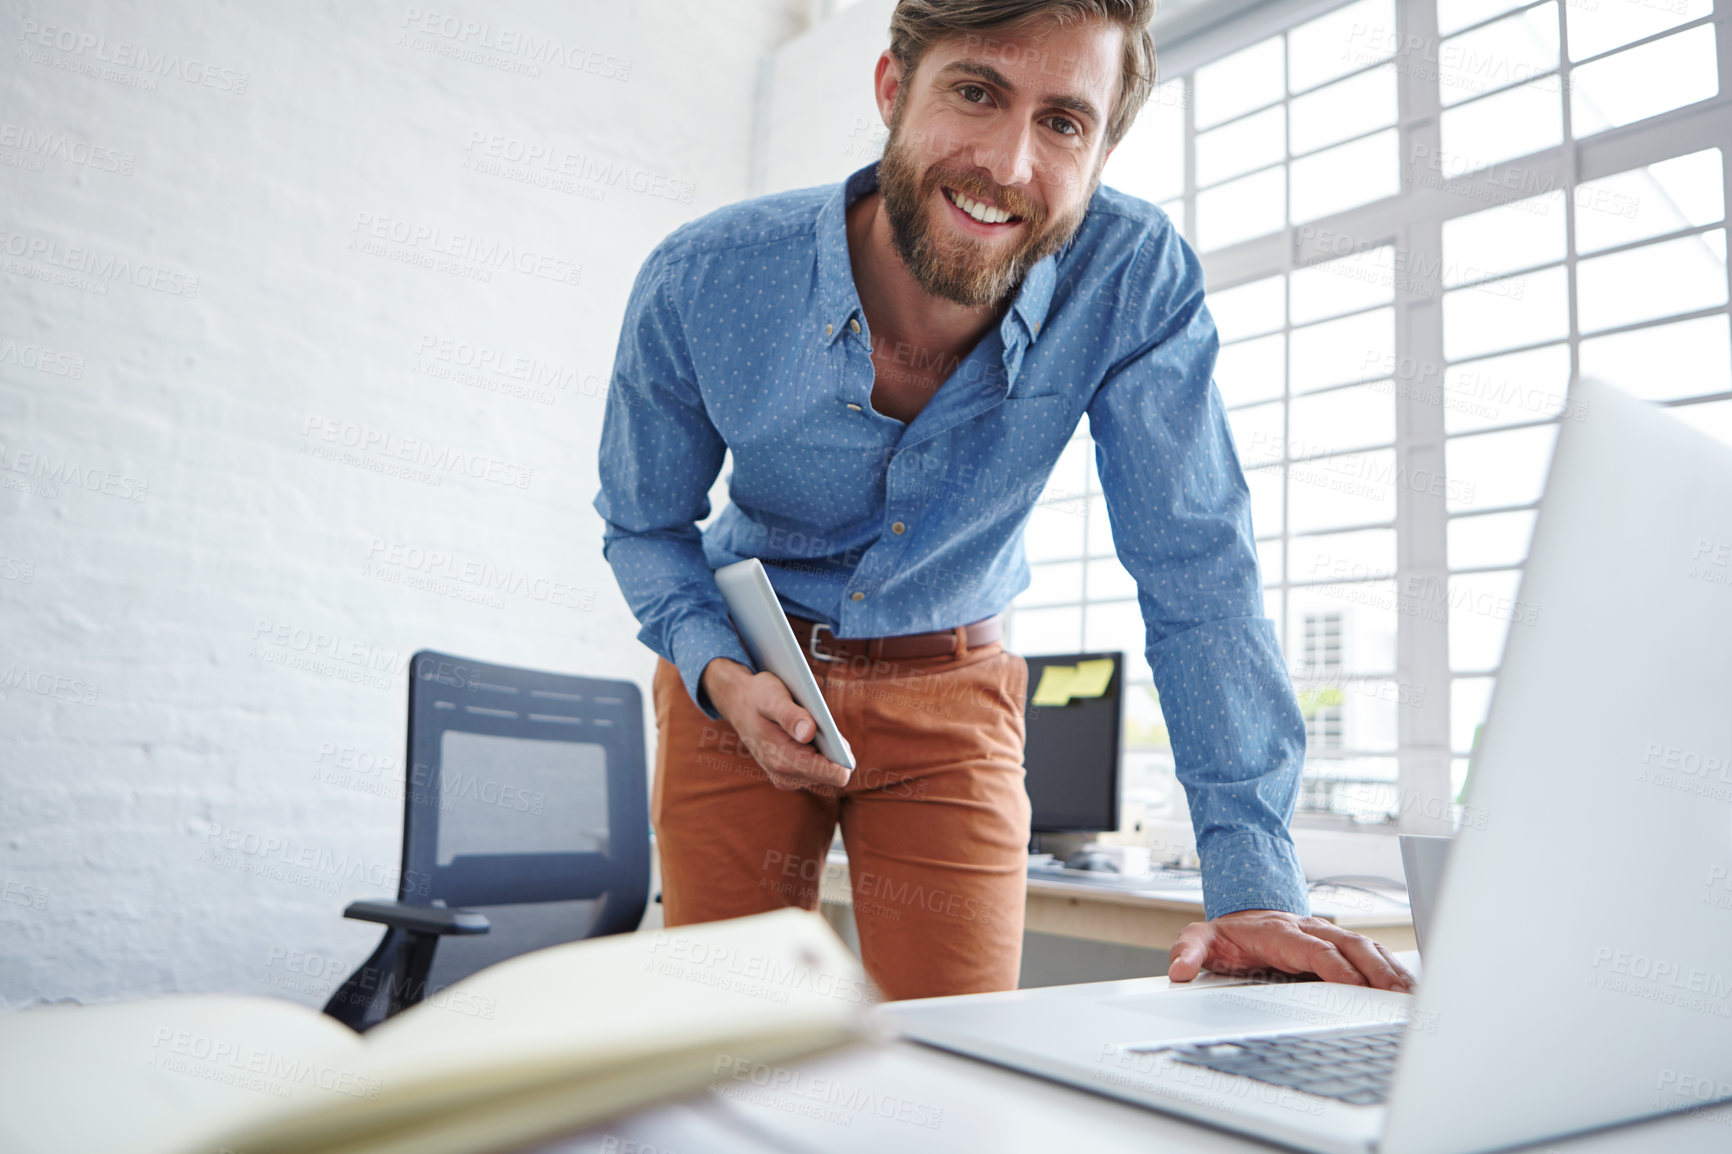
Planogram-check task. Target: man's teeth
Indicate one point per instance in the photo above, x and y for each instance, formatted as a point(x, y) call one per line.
point(985, 214)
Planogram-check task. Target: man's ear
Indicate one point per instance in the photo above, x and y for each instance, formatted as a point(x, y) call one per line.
point(886, 82)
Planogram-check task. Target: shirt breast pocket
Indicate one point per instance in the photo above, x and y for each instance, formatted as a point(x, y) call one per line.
point(1008, 452)
point(1024, 432)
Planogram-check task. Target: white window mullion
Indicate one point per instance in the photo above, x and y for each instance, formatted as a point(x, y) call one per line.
point(1422, 515)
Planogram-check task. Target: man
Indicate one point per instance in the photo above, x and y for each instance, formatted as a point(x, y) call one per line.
point(896, 364)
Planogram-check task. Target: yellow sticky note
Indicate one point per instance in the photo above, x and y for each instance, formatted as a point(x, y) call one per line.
point(1055, 685)
point(1092, 677)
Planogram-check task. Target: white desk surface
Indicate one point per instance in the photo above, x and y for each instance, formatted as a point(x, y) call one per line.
point(981, 1107)
point(1349, 907)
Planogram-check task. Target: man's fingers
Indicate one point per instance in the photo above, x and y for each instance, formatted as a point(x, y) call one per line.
point(1373, 967)
point(1364, 955)
point(781, 757)
point(1189, 952)
point(1407, 979)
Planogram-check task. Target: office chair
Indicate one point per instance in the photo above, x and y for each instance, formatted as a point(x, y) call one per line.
point(525, 824)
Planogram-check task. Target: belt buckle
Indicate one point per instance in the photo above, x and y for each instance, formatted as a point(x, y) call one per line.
point(812, 642)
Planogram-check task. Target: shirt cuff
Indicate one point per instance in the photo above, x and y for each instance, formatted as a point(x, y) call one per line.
point(700, 640)
point(1247, 870)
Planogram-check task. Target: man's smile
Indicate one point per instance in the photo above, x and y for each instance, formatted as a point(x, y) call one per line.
point(980, 213)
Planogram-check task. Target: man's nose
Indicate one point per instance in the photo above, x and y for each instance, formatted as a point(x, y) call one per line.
point(1007, 152)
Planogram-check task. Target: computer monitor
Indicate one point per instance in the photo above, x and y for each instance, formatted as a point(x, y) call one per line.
point(1072, 751)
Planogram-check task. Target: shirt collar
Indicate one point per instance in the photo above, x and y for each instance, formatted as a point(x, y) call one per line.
point(839, 301)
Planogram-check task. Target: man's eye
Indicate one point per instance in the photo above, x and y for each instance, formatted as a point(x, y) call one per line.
point(968, 92)
point(1064, 127)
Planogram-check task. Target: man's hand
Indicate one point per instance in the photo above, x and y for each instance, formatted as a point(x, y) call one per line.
point(1251, 940)
point(771, 724)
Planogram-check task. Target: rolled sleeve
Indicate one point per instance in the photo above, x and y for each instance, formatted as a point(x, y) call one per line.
point(1180, 513)
point(659, 455)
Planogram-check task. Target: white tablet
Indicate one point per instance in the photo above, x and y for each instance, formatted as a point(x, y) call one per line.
point(770, 640)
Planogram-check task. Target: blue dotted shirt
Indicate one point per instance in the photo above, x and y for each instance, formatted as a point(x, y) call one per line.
point(744, 332)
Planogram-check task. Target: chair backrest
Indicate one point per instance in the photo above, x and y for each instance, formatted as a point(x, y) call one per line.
point(526, 799)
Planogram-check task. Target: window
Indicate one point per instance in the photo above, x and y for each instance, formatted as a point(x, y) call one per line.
point(1397, 345)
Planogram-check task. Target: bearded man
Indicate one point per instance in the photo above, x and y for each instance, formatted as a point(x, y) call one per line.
point(896, 363)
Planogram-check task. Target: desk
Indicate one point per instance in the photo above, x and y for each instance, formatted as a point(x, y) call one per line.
point(1148, 918)
point(972, 1106)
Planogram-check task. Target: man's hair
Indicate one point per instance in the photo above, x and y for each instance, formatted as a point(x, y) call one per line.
point(917, 24)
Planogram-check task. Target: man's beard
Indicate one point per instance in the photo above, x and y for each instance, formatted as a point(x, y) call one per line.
point(962, 268)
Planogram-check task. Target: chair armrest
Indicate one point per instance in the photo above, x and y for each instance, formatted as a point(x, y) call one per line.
point(419, 919)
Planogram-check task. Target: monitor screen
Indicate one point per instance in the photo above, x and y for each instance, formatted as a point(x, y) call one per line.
point(1072, 750)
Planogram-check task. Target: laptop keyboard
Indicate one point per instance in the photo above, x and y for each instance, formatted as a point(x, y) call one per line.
point(1352, 1065)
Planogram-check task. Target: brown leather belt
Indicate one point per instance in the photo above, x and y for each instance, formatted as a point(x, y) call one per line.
point(815, 638)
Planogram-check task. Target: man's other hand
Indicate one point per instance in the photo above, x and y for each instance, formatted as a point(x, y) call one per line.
point(774, 728)
point(1252, 940)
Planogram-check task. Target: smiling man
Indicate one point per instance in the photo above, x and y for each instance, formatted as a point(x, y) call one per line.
point(896, 364)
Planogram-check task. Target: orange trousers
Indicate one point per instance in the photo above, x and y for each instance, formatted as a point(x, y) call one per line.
point(935, 818)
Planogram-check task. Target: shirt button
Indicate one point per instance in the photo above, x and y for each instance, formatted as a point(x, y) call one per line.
point(854, 324)
point(898, 527)
point(828, 329)
point(857, 595)
point(855, 407)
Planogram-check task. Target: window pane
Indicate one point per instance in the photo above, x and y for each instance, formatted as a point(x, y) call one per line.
point(1344, 285)
point(1109, 579)
point(1456, 14)
point(1236, 148)
point(1257, 433)
point(1493, 469)
point(1351, 108)
point(1240, 82)
point(1513, 123)
point(1469, 702)
point(1342, 491)
point(1117, 625)
point(1644, 82)
point(1336, 352)
point(1354, 556)
point(1250, 206)
point(1054, 533)
point(1100, 527)
point(1481, 608)
point(1525, 386)
point(1358, 417)
point(1499, 240)
point(1175, 210)
point(1252, 370)
point(1502, 314)
point(1349, 38)
point(1492, 539)
point(1347, 176)
point(1674, 276)
point(1248, 310)
point(1051, 584)
point(1265, 486)
point(1150, 161)
point(1520, 47)
point(1683, 192)
point(1688, 359)
point(1600, 27)
point(1071, 471)
point(1269, 560)
point(1368, 619)
point(1713, 418)
point(1046, 630)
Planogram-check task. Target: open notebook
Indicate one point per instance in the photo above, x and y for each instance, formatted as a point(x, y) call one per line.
point(536, 1046)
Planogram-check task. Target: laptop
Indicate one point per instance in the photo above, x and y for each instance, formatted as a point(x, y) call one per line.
point(1578, 963)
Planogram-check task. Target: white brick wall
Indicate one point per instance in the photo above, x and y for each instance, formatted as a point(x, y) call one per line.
point(248, 266)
